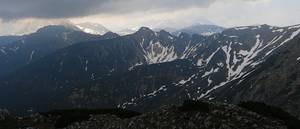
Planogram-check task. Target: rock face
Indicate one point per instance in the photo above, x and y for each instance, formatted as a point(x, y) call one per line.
point(199, 116)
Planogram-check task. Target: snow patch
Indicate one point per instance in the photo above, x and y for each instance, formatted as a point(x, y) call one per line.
point(170, 37)
point(91, 31)
point(157, 53)
point(189, 50)
point(112, 70)
point(241, 28)
point(86, 65)
point(149, 95)
point(133, 66)
point(209, 81)
point(31, 56)
point(200, 62)
point(182, 82)
point(3, 51)
point(208, 33)
point(212, 89)
point(243, 52)
point(294, 34)
point(294, 27)
point(208, 73)
point(163, 88)
point(211, 56)
point(276, 39)
point(278, 30)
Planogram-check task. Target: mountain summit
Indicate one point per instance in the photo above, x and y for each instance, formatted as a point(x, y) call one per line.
point(92, 28)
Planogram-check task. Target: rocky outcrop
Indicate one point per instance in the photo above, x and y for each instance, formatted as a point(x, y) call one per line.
point(3, 114)
point(192, 115)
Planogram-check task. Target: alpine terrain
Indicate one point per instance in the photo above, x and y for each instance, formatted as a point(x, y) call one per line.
point(142, 71)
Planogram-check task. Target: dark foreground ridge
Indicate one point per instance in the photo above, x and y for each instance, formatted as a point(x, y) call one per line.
point(272, 112)
point(190, 115)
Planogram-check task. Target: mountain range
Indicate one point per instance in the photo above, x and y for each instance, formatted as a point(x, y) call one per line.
point(61, 67)
point(25, 27)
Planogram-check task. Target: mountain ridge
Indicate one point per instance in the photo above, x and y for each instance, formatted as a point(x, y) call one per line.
point(28, 48)
point(212, 64)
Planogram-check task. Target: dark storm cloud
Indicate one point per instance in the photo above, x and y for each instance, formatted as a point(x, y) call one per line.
point(17, 9)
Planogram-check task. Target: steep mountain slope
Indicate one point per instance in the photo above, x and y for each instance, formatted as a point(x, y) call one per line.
point(277, 81)
point(227, 60)
point(58, 78)
point(270, 85)
point(29, 48)
point(147, 69)
point(234, 56)
point(159, 47)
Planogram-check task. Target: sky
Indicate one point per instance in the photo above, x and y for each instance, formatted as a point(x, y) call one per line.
point(121, 14)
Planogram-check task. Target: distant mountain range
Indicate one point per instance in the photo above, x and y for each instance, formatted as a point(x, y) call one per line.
point(62, 67)
point(201, 29)
point(27, 27)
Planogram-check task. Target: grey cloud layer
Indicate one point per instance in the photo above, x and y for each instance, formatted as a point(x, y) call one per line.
point(16, 9)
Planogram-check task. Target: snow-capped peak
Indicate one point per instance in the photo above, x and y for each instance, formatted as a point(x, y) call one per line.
point(92, 28)
point(127, 31)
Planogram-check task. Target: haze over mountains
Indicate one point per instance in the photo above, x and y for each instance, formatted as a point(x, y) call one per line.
point(29, 26)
